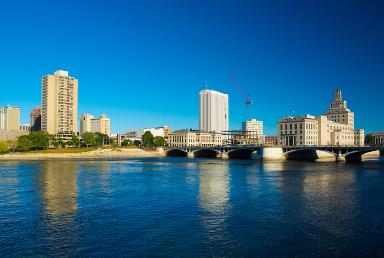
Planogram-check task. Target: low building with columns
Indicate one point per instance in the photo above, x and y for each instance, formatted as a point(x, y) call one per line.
point(194, 138)
point(378, 138)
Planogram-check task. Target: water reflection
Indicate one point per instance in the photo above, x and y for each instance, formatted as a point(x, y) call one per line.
point(213, 187)
point(214, 200)
point(59, 188)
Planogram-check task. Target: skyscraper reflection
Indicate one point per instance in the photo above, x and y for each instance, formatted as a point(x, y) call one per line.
point(213, 186)
point(59, 187)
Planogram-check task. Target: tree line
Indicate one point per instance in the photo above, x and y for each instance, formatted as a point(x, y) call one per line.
point(42, 140)
point(147, 140)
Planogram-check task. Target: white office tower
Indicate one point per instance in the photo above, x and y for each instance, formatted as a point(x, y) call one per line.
point(213, 111)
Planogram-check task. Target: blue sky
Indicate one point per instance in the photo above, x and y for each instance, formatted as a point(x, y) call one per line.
point(143, 62)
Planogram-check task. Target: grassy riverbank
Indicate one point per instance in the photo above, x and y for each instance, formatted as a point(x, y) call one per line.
point(82, 153)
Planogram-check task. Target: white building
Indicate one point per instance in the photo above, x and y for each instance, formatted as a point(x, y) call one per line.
point(253, 129)
point(194, 138)
point(136, 134)
point(9, 118)
point(25, 127)
point(213, 111)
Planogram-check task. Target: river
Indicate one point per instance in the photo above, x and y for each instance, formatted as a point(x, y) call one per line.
point(179, 207)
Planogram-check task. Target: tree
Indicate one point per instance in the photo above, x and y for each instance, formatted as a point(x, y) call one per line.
point(88, 139)
point(4, 147)
point(12, 145)
point(100, 138)
point(369, 139)
point(137, 143)
point(24, 143)
point(112, 142)
point(159, 141)
point(147, 139)
point(74, 141)
point(39, 140)
point(127, 142)
point(57, 141)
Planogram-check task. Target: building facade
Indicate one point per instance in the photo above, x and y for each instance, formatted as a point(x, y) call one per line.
point(35, 119)
point(182, 138)
point(378, 138)
point(59, 103)
point(213, 111)
point(335, 127)
point(101, 125)
point(88, 123)
point(161, 131)
point(25, 127)
point(9, 118)
point(359, 137)
point(270, 140)
point(85, 123)
point(253, 129)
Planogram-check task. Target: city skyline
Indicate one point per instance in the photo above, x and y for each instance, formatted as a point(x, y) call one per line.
point(138, 77)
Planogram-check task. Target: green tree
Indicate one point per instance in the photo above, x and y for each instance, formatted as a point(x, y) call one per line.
point(159, 141)
point(74, 141)
point(137, 143)
point(57, 141)
point(100, 138)
point(147, 139)
point(39, 140)
point(127, 142)
point(89, 139)
point(369, 139)
point(24, 143)
point(4, 147)
point(12, 145)
point(112, 142)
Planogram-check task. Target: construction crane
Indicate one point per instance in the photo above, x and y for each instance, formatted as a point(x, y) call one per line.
point(245, 96)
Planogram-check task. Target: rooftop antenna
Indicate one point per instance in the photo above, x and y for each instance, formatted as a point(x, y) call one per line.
point(206, 85)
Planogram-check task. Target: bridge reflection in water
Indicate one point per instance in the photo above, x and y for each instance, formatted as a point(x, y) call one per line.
point(335, 153)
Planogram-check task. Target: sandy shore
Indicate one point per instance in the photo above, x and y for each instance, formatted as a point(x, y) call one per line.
point(96, 154)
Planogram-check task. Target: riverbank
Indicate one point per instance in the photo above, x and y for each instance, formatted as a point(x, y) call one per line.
point(91, 154)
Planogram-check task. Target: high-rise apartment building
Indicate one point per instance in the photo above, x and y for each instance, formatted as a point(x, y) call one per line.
point(9, 118)
point(59, 103)
point(213, 111)
point(35, 119)
point(95, 125)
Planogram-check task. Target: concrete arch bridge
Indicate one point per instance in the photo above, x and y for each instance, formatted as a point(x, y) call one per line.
point(339, 153)
point(224, 152)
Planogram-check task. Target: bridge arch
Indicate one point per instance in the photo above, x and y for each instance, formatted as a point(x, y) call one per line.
point(309, 154)
point(356, 155)
point(176, 153)
point(243, 153)
point(206, 153)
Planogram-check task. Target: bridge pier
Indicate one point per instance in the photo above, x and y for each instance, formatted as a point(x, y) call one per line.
point(224, 155)
point(340, 158)
point(190, 154)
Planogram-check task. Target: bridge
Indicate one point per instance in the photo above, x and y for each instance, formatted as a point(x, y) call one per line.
point(339, 153)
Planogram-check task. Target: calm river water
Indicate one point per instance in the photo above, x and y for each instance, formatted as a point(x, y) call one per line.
point(183, 207)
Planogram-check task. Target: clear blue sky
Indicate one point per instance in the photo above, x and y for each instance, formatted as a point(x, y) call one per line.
point(144, 62)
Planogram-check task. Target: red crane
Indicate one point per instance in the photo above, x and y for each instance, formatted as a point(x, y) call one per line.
point(245, 96)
